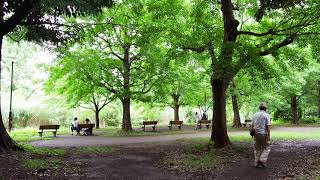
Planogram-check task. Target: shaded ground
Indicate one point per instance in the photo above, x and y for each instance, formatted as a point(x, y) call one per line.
point(162, 158)
point(288, 160)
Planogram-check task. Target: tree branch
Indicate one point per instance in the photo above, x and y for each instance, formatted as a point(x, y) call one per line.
point(20, 14)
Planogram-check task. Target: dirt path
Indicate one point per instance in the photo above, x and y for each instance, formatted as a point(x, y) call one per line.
point(288, 160)
point(138, 158)
point(78, 141)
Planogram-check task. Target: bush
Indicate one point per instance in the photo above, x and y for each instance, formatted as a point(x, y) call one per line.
point(21, 118)
point(190, 117)
point(111, 116)
point(310, 120)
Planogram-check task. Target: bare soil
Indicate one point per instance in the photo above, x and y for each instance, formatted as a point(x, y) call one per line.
point(288, 160)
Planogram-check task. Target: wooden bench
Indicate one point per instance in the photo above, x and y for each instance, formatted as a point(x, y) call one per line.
point(82, 126)
point(203, 122)
point(48, 128)
point(175, 123)
point(246, 123)
point(149, 123)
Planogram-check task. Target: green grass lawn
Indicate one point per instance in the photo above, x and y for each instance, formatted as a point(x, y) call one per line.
point(31, 134)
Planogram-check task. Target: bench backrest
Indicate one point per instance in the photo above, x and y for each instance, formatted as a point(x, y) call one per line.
point(150, 122)
point(42, 127)
point(204, 122)
point(80, 126)
point(176, 122)
point(247, 121)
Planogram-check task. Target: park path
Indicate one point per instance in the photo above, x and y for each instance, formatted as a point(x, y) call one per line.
point(82, 141)
point(137, 160)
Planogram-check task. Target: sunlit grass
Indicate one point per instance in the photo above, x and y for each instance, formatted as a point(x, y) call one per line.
point(44, 150)
point(31, 134)
point(32, 164)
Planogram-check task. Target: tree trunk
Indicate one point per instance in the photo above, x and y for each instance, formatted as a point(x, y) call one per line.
point(294, 110)
point(176, 106)
point(176, 113)
point(126, 120)
point(6, 143)
point(219, 129)
point(235, 107)
point(97, 119)
point(236, 113)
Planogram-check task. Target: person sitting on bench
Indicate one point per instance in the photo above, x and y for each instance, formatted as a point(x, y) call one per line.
point(197, 116)
point(87, 131)
point(74, 125)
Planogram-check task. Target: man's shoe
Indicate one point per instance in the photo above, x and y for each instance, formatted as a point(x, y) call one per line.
point(261, 164)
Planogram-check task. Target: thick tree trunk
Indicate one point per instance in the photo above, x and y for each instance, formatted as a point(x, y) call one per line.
point(236, 113)
point(126, 120)
point(219, 129)
point(97, 119)
point(6, 143)
point(235, 107)
point(176, 113)
point(294, 110)
point(176, 106)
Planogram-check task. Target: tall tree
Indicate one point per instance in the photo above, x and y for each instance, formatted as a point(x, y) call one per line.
point(181, 86)
point(265, 28)
point(120, 53)
point(79, 93)
point(40, 21)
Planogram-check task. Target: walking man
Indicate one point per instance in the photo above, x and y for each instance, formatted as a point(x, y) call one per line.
point(261, 124)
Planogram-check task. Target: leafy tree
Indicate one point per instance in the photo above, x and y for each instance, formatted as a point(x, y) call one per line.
point(40, 21)
point(121, 55)
point(182, 86)
point(212, 28)
point(79, 93)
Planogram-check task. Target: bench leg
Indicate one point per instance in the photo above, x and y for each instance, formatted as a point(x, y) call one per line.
point(144, 128)
point(170, 128)
point(179, 127)
point(154, 128)
point(40, 134)
point(55, 134)
point(207, 126)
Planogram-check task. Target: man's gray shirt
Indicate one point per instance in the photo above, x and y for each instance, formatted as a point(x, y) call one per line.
point(260, 121)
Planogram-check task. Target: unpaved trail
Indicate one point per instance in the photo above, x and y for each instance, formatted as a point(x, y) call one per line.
point(78, 141)
point(138, 158)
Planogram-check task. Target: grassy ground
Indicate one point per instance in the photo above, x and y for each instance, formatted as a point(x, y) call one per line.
point(31, 134)
point(236, 134)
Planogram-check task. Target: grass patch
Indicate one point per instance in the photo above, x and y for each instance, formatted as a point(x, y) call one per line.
point(32, 164)
point(201, 157)
point(31, 134)
point(43, 150)
point(203, 162)
point(99, 150)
